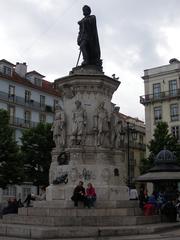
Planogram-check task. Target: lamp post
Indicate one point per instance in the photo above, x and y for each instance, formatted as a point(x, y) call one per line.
point(130, 132)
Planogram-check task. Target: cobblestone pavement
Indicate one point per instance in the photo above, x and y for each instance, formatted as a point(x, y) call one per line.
point(170, 235)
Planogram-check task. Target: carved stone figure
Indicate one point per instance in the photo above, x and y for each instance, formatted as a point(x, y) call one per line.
point(101, 123)
point(116, 128)
point(58, 127)
point(79, 119)
point(88, 38)
point(73, 175)
point(105, 174)
point(61, 179)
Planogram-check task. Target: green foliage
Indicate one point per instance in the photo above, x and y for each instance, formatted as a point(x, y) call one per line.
point(11, 165)
point(161, 139)
point(37, 144)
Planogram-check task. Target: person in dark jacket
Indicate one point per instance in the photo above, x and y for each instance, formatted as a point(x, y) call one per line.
point(78, 194)
point(12, 206)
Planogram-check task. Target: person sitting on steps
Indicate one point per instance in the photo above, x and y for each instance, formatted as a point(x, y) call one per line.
point(78, 194)
point(33, 197)
point(90, 195)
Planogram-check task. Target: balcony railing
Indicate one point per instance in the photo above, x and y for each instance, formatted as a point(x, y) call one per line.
point(22, 123)
point(11, 98)
point(134, 145)
point(156, 97)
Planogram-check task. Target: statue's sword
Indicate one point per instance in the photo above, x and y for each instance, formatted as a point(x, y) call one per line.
point(78, 58)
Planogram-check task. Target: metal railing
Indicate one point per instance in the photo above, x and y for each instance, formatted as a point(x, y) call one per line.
point(149, 98)
point(134, 145)
point(22, 123)
point(11, 98)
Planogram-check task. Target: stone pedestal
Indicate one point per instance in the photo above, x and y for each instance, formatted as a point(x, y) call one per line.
point(91, 157)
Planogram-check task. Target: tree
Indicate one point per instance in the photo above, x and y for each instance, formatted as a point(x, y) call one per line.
point(161, 139)
point(11, 165)
point(37, 144)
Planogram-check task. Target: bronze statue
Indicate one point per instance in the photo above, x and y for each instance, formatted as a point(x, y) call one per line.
point(88, 39)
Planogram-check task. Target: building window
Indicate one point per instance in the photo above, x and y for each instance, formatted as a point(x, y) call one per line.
point(132, 165)
point(42, 101)
point(7, 71)
point(42, 117)
point(37, 81)
point(11, 93)
point(141, 139)
point(156, 90)
point(175, 132)
point(173, 87)
point(56, 102)
point(157, 114)
point(27, 117)
point(10, 191)
point(27, 96)
point(174, 113)
point(11, 110)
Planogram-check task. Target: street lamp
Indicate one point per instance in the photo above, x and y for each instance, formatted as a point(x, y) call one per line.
point(130, 131)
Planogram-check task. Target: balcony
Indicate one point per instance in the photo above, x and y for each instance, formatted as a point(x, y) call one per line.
point(25, 102)
point(161, 96)
point(134, 145)
point(22, 123)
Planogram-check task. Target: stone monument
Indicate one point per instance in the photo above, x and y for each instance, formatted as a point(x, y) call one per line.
point(86, 130)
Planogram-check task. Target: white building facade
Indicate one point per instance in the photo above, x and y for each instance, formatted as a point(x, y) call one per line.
point(29, 99)
point(27, 96)
point(162, 98)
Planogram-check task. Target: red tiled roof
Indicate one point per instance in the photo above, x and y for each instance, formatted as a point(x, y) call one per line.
point(46, 86)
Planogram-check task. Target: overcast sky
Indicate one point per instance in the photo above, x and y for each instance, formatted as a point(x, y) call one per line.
point(134, 35)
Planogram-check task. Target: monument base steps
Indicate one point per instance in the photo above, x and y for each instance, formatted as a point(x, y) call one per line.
point(26, 232)
point(55, 223)
point(42, 222)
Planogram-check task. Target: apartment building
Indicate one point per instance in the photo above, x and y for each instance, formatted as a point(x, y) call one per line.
point(26, 95)
point(133, 144)
point(162, 97)
point(30, 99)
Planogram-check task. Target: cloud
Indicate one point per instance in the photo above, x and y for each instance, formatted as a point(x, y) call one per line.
point(134, 35)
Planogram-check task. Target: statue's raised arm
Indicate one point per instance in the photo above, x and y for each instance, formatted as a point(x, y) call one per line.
point(88, 39)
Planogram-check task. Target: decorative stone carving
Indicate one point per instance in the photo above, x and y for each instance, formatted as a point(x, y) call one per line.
point(63, 158)
point(105, 175)
point(68, 91)
point(101, 124)
point(87, 175)
point(58, 128)
point(73, 174)
point(61, 179)
point(79, 119)
point(52, 173)
point(116, 128)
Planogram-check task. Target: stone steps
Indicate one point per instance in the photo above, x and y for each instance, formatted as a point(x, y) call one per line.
point(26, 232)
point(80, 220)
point(53, 222)
point(78, 212)
point(98, 204)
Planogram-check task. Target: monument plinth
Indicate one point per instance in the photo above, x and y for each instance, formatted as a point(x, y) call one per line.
point(89, 153)
point(87, 128)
